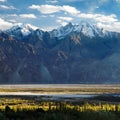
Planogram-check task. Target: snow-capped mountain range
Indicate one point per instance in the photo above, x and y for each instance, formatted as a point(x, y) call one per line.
point(75, 53)
point(21, 30)
point(83, 27)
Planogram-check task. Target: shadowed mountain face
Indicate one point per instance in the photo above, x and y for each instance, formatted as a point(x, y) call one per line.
point(79, 53)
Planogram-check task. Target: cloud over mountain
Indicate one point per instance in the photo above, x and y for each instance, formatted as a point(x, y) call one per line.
point(53, 13)
point(5, 24)
point(48, 9)
point(3, 0)
point(7, 7)
point(29, 16)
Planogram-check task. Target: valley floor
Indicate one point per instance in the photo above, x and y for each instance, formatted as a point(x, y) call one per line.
point(59, 102)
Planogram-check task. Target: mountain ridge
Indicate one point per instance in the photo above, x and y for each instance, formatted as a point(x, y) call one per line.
point(79, 53)
point(83, 27)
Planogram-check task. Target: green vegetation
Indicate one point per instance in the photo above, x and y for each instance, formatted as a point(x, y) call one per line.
point(21, 108)
point(28, 107)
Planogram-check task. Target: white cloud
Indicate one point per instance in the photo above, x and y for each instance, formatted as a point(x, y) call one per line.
point(103, 18)
point(4, 24)
point(29, 16)
point(118, 1)
point(84, 15)
point(73, 0)
point(92, 8)
point(48, 9)
point(3, 0)
point(103, 1)
point(12, 15)
point(51, 15)
point(71, 10)
point(99, 17)
point(64, 23)
point(61, 22)
point(48, 28)
point(108, 22)
point(115, 26)
point(7, 7)
point(51, 1)
point(66, 18)
point(12, 21)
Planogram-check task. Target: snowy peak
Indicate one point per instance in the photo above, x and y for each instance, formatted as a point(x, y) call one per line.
point(62, 31)
point(27, 26)
point(87, 29)
point(21, 29)
point(83, 27)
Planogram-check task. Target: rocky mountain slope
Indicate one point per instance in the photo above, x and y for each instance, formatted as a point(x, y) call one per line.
point(80, 53)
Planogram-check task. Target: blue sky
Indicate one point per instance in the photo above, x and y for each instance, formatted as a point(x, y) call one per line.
point(50, 14)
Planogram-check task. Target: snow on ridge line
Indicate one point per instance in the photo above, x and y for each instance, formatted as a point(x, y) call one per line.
point(84, 27)
point(25, 29)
